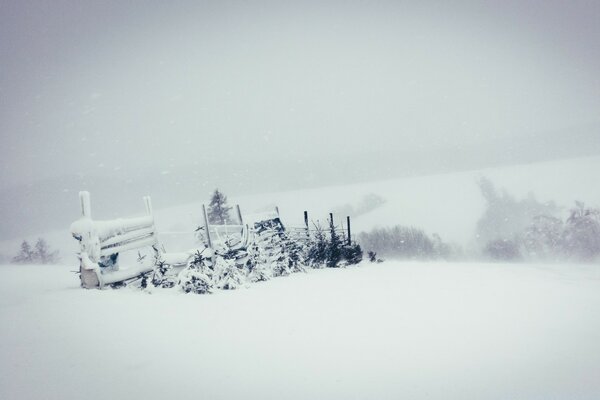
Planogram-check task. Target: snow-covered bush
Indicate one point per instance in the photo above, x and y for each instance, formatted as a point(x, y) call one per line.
point(197, 276)
point(162, 276)
point(334, 247)
point(257, 264)
point(317, 248)
point(402, 242)
point(503, 250)
point(329, 249)
point(351, 254)
point(296, 253)
point(581, 235)
point(542, 239)
point(548, 238)
point(229, 272)
point(505, 216)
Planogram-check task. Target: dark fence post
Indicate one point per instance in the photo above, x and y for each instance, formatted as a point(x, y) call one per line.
point(349, 237)
point(239, 214)
point(306, 221)
point(332, 223)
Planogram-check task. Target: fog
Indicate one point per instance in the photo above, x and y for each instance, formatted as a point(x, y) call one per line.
point(175, 99)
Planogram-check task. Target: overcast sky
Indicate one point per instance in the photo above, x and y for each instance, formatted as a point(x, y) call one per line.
point(113, 88)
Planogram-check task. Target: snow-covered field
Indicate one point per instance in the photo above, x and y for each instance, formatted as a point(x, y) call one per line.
point(376, 331)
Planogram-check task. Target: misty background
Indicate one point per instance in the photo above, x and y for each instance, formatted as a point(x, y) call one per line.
point(175, 99)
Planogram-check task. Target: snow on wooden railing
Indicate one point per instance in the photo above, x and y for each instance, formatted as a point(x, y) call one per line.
point(101, 242)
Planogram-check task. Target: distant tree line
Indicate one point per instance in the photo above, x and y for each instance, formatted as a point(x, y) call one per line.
point(407, 243)
point(40, 253)
point(512, 230)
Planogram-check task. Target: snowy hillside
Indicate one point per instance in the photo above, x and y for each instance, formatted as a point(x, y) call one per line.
point(376, 331)
point(448, 204)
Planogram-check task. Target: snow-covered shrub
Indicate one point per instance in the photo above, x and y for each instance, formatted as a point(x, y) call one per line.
point(334, 247)
point(581, 235)
point(228, 275)
point(197, 276)
point(317, 248)
point(270, 237)
point(162, 276)
point(322, 249)
point(505, 216)
point(278, 261)
point(503, 250)
point(257, 264)
point(400, 242)
point(548, 238)
point(295, 252)
point(351, 253)
point(541, 240)
point(229, 271)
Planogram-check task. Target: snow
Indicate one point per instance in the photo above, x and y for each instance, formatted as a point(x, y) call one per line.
point(376, 331)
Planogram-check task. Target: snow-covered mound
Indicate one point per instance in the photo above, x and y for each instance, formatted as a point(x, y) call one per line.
point(377, 331)
point(447, 204)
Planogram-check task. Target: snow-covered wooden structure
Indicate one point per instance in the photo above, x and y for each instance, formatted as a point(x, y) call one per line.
point(101, 243)
point(124, 250)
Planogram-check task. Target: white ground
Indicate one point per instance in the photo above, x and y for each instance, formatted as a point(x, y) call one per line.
point(387, 331)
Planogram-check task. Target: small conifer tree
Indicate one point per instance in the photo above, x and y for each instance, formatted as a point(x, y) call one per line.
point(218, 210)
point(334, 252)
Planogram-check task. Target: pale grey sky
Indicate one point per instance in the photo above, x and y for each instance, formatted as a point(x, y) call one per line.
point(110, 94)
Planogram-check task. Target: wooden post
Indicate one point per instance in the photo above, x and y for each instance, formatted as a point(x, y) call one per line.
point(206, 226)
point(348, 224)
point(86, 208)
point(239, 213)
point(331, 223)
point(148, 203)
point(306, 224)
point(277, 210)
